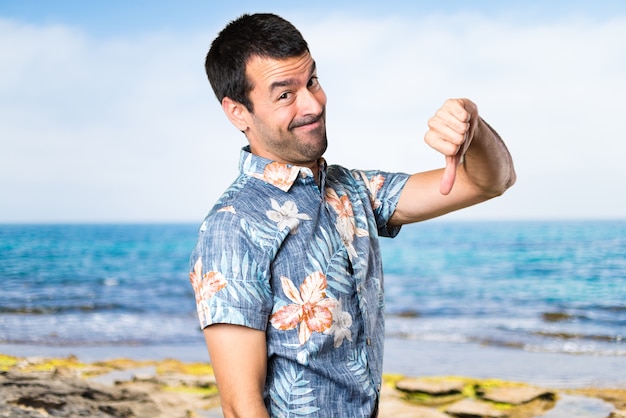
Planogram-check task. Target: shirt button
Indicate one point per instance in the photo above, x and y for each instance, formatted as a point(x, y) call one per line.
point(368, 341)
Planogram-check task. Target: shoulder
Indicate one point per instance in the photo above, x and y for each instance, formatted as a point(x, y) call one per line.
point(243, 216)
point(371, 180)
point(243, 199)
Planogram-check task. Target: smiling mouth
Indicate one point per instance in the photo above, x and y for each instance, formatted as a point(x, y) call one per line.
point(311, 122)
point(310, 126)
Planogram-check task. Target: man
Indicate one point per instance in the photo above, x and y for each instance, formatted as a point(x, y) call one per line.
point(287, 271)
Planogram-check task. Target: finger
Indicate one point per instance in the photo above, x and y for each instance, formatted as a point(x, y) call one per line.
point(457, 114)
point(449, 175)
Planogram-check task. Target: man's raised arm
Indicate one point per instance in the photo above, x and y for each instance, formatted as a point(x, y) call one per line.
point(478, 166)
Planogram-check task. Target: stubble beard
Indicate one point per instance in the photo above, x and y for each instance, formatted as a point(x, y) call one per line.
point(291, 145)
point(312, 150)
point(314, 145)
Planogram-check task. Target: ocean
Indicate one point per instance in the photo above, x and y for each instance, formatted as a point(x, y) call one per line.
point(556, 287)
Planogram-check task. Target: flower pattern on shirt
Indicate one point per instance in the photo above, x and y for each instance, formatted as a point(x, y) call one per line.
point(286, 216)
point(374, 184)
point(311, 309)
point(342, 321)
point(345, 224)
point(205, 286)
point(228, 208)
point(208, 285)
point(279, 175)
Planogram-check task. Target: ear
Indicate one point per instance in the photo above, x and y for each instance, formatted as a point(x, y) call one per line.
point(236, 113)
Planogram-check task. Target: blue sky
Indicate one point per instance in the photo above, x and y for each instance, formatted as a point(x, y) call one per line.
point(127, 17)
point(106, 114)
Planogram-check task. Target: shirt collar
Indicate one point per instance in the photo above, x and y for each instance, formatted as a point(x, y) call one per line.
point(277, 174)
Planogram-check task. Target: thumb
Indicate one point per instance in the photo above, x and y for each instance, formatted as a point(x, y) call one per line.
point(449, 174)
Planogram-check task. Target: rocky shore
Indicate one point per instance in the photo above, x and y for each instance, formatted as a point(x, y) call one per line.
point(65, 387)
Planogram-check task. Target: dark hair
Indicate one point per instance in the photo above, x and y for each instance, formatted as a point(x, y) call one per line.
point(264, 35)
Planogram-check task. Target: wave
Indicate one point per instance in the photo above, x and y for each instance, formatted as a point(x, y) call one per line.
point(52, 342)
point(547, 345)
point(578, 336)
point(561, 316)
point(529, 334)
point(53, 310)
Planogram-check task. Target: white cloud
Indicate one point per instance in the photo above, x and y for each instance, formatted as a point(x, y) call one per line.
point(128, 129)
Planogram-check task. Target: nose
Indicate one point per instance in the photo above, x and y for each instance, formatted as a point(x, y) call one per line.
point(312, 102)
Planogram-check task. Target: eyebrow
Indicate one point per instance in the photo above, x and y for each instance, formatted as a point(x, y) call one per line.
point(290, 81)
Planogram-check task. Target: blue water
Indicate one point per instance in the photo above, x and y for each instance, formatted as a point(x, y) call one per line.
point(534, 286)
point(538, 286)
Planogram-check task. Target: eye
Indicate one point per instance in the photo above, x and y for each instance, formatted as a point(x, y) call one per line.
point(285, 96)
point(313, 82)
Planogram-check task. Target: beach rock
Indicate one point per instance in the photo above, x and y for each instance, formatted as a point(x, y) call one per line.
point(434, 387)
point(392, 405)
point(399, 409)
point(172, 389)
point(183, 380)
point(517, 395)
point(470, 408)
point(40, 394)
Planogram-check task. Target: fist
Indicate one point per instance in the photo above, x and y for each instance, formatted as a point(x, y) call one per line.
point(450, 131)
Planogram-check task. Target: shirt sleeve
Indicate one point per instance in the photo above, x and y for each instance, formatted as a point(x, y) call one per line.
point(229, 274)
point(384, 191)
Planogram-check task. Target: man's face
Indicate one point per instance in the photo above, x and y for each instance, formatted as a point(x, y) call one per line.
point(288, 122)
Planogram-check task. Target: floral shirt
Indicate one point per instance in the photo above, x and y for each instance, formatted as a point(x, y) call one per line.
point(276, 254)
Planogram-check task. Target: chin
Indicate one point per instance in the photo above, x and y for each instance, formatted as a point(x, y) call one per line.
point(323, 145)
